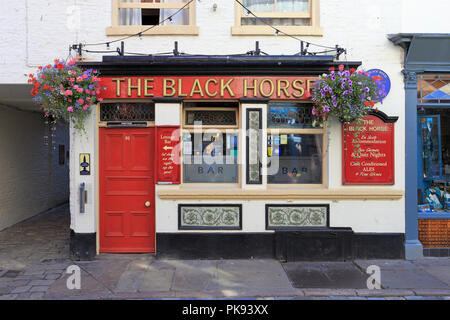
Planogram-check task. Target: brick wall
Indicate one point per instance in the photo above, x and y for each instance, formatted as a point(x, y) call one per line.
point(434, 233)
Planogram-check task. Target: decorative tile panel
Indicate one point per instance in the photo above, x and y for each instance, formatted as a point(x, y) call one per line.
point(209, 217)
point(296, 216)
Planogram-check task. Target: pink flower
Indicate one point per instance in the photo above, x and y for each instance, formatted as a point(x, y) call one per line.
point(85, 107)
point(68, 93)
point(341, 67)
point(72, 62)
point(80, 101)
point(79, 79)
point(100, 99)
point(80, 90)
point(70, 109)
point(75, 87)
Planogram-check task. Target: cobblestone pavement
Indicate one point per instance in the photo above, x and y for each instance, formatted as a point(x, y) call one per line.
point(34, 256)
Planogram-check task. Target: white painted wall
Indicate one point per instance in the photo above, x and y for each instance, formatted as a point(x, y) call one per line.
point(31, 180)
point(425, 16)
point(37, 31)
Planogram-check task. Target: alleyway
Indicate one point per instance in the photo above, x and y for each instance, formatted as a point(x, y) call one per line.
point(34, 256)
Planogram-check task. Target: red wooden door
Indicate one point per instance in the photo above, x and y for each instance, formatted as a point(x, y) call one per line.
point(127, 190)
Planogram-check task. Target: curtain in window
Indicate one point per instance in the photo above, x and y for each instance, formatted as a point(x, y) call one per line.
point(181, 18)
point(282, 5)
point(292, 5)
point(129, 17)
point(259, 5)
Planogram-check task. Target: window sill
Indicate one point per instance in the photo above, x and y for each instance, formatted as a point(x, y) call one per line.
point(159, 30)
point(281, 194)
point(268, 31)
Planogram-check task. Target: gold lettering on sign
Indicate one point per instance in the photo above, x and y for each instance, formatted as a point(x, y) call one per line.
point(226, 86)
point(138, 87)
point(167, 86)
point(283, 88)
point(118, 81)
point(180, 88)
point(261, 88)
point(208, 93)
point(246, 87)
point(298, 85)
point(147, 87)
point(196, 88)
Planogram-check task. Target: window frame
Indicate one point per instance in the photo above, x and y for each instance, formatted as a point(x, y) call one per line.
point(223, 129)
point(280, 131)
point(313, 30)
point(121, 30)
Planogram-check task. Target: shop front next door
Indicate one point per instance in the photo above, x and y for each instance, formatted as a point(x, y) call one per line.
point(127, 190)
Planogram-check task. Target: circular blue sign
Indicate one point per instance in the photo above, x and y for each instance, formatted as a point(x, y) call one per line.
point(385, 82)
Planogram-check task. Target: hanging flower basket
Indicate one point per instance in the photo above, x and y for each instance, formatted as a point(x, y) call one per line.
point(347, 95)
point(65, 91)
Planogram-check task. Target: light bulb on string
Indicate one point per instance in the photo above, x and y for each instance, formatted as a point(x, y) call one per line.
point(140, 35)
point(247, 13)
point(276, 32)
point(107, 45)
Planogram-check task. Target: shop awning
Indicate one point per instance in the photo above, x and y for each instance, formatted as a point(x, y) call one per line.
point(425, 52)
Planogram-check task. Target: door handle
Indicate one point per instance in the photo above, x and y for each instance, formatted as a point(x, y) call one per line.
point(147, 204)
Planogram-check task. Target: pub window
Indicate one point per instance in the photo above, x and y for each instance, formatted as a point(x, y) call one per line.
point(125, 112)
point(210, 143)
point(295, 150)
point(133, 16)
point(294, 17)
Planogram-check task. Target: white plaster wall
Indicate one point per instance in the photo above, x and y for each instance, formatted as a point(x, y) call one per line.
point(31, 180)
point(425, 16)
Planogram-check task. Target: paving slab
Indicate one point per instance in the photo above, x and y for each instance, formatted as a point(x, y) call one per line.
point(235, 277)
point(89, 287)
point(402, 274)
point(329, 275)
point(194, 275)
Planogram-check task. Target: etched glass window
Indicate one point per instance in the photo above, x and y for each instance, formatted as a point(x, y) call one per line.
point(289, 115)
point(127, 112)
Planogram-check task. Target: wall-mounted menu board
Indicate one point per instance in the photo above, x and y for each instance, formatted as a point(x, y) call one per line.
point(168, 165)
point(369, 158)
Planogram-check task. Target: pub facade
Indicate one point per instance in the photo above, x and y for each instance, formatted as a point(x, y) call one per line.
point(224, 161)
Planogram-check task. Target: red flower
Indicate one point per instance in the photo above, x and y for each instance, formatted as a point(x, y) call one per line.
point(366, 103)
point(33, 93)
point(60, 66)
point(40, 67)
point(331, 69)
point(48, 66)
point(36, 85)
point(352, 70)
